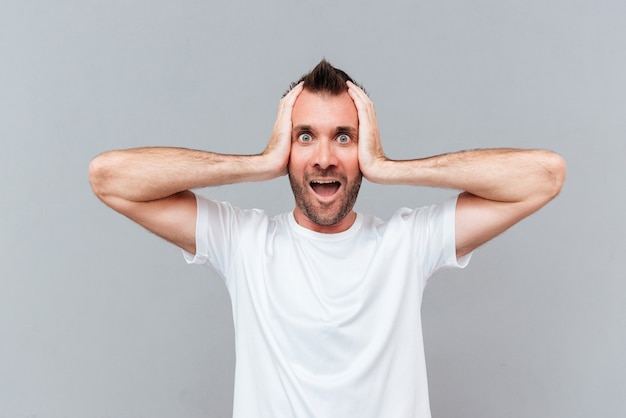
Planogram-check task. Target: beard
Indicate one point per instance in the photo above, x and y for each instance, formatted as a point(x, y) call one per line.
point(325, 213)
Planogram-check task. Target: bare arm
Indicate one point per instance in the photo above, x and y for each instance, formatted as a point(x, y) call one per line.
point(501, 186)
point(151, 185)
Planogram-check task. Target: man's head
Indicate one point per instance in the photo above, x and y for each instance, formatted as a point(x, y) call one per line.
point(323, 166)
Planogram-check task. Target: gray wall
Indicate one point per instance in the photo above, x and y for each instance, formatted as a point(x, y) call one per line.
point(99, 319)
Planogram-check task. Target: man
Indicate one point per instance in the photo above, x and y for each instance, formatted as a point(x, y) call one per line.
point(326, 301)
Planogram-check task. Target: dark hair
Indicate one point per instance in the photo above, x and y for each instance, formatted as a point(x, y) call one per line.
point(324, 78)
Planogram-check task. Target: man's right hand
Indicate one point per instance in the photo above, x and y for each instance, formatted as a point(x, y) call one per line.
point(279, 147)
point(151, 185)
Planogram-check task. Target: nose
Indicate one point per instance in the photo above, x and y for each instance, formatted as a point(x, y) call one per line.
point(325, 155)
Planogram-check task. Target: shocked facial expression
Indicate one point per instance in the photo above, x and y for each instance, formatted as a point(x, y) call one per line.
point(323, 166)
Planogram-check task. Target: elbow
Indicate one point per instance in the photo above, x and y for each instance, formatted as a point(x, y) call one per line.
point(99, 174)
point(556, 170)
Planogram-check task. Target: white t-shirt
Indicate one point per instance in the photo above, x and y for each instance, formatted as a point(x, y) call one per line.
point(327, 325)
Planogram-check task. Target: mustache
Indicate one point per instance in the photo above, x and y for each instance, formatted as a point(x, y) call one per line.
point(326, 172)
point(323, 173)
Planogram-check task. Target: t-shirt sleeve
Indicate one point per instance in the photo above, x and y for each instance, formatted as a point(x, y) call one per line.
point(215, 230)
point(449, 236)
point(436, 237)
point(200, 257)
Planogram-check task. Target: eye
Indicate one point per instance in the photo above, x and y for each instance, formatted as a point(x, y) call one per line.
point(343, 139)
point(305, 138)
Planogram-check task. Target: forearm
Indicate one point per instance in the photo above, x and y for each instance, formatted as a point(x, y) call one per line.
point(505, 175)
point(146, 174)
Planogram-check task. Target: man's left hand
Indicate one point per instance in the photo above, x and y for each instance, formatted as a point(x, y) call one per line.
point(371, 155)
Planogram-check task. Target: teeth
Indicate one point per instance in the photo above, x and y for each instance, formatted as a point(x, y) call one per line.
point(324, 182)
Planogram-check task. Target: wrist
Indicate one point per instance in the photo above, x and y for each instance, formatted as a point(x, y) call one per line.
point(378, 170)
point(270, 165)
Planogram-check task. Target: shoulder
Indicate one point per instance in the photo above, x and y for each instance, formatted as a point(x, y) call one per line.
point(223, 216)
point(219, 207)
point(425, 215)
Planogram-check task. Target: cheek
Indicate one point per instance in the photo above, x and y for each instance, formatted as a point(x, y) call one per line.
point(351, 161)
point(296, 159)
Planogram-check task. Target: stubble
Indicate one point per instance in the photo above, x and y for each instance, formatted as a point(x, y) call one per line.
point(322, 213)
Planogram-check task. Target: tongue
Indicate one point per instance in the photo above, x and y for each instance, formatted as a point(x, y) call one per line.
point(325, 189)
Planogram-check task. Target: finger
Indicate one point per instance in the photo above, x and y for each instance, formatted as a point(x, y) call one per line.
point(357, 93)
point(290, 98)
point(283, 114)
point(286, 104)
point(363, 103)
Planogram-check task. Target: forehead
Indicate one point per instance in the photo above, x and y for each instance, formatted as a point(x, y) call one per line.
point(323, 110)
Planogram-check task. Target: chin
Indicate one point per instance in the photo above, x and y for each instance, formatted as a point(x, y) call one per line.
point(323, 217)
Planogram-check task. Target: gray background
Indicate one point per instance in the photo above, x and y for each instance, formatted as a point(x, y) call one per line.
point(99, 319)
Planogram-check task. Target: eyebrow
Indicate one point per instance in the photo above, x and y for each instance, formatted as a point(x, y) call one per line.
point(302, 128)
point(348, 129)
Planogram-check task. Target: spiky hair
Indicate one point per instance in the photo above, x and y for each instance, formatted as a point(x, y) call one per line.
point(324, 78)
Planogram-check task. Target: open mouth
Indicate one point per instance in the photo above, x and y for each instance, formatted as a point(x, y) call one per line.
point(325, 188)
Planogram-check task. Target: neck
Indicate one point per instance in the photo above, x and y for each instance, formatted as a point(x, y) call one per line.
point(343, 225)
